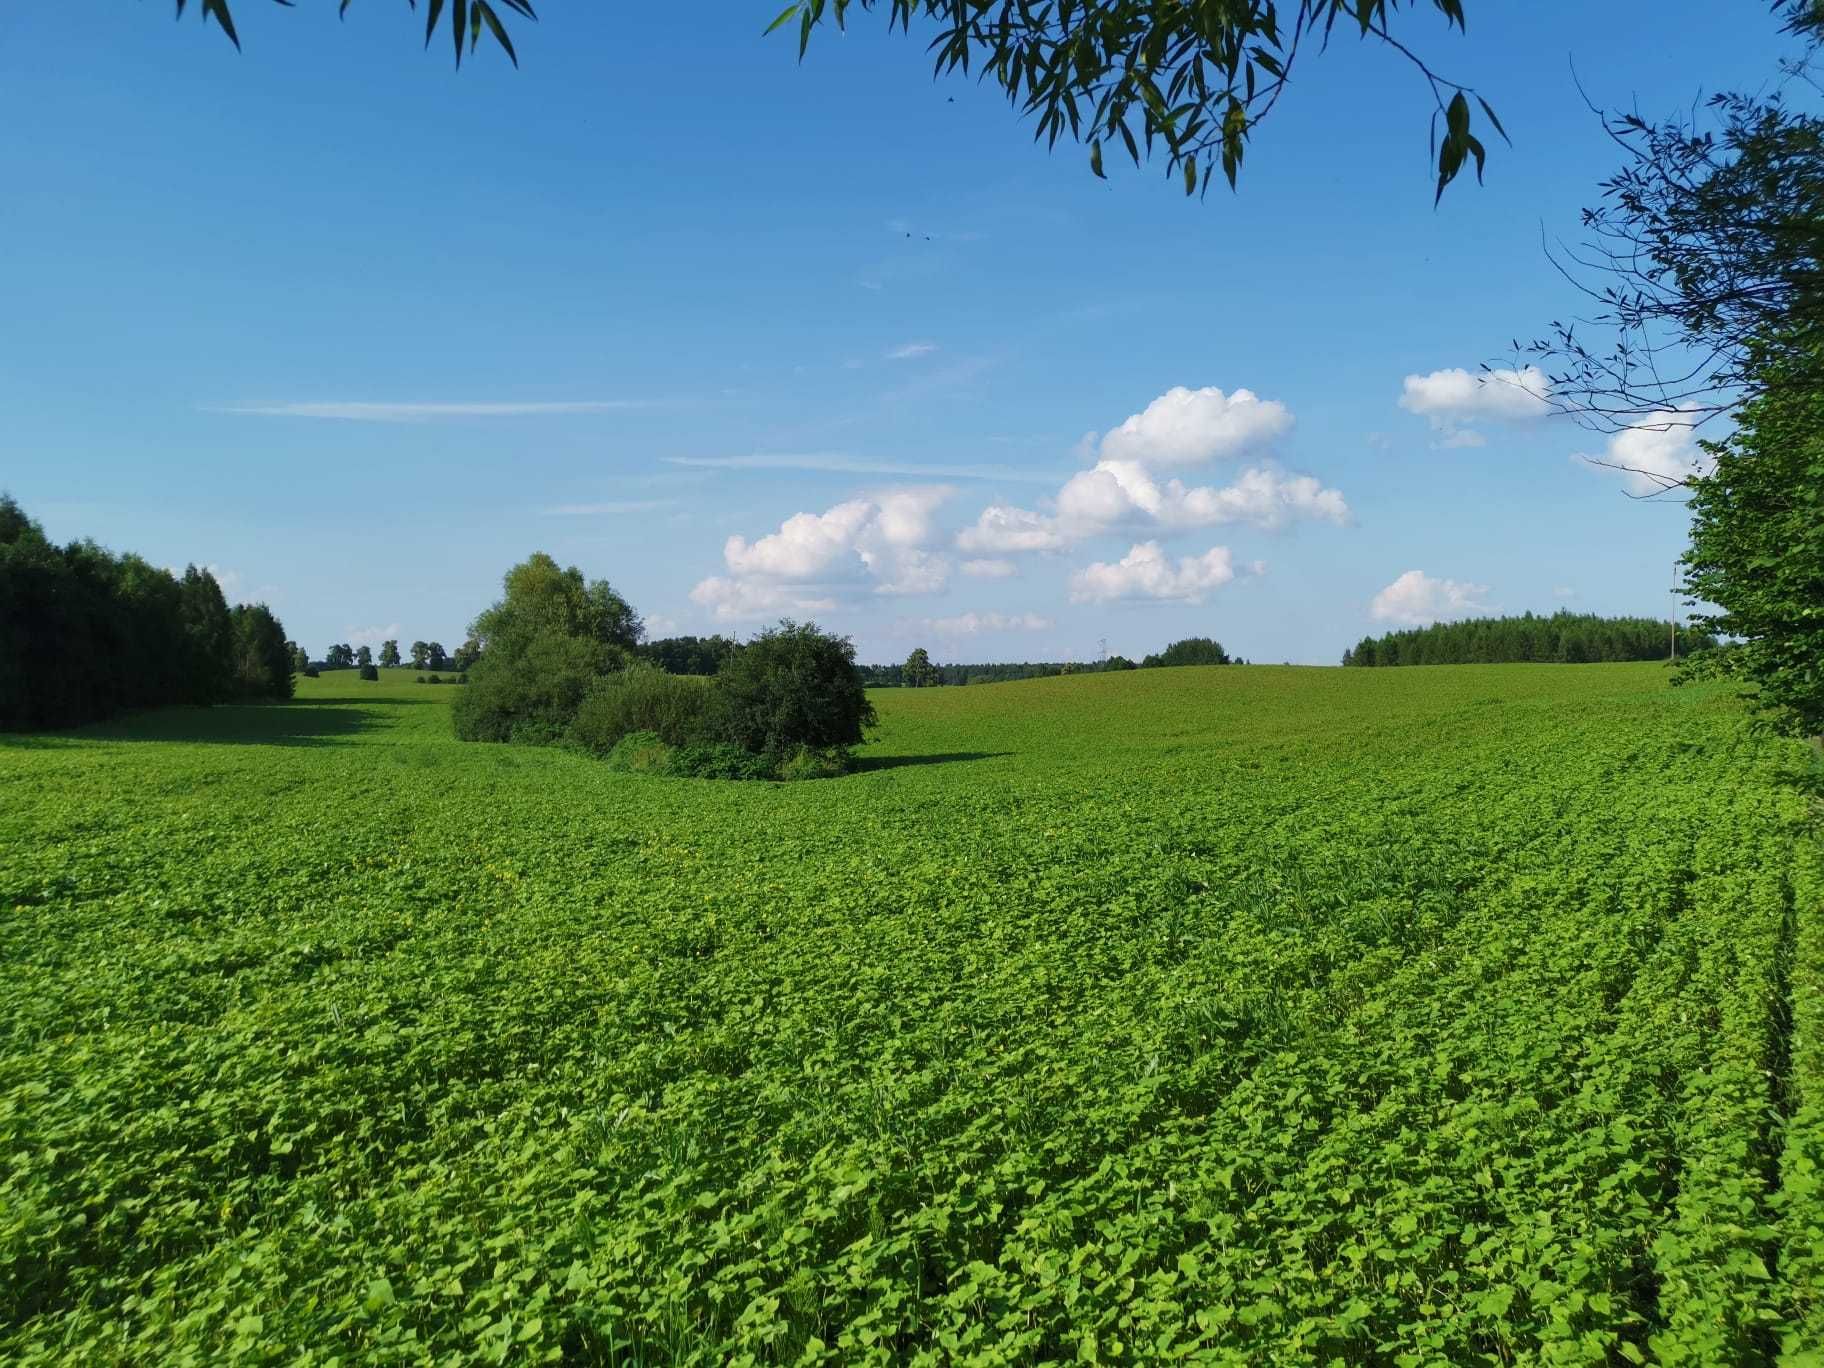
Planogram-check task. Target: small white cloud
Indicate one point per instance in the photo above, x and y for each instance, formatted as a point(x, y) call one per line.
point(990, 569)
point(1564, 591)
point(1190, 426)
point(364, 412)
point(911, 351)
point(370, 636)
point(1453, 399)
point(1657, 454)
point(1146, 572)
point(657, 624)
point(1415, 598)
point(971, 624)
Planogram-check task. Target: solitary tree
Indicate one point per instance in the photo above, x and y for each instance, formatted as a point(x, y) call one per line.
point(1191, 79)
point(421, 655)
point(918, 671)
point(364, 657)
point(389, 653)
point(435, 658)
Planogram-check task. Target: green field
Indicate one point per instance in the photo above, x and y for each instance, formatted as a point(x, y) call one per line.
point(1245, 1015)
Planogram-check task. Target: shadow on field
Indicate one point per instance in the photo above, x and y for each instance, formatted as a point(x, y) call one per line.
point(231, 724)
point(864, 763)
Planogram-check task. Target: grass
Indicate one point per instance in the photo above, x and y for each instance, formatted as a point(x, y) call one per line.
point(1448, 1014)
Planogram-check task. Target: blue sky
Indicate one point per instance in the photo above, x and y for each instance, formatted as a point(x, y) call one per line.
point(750, 338)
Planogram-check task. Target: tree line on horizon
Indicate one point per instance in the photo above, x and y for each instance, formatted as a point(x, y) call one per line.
point(86, 633)
point(1564, 638)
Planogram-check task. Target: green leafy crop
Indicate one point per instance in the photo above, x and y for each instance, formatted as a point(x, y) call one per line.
point(1468, 1015)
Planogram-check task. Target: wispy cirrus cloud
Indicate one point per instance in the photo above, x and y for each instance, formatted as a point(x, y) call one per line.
point(911, 351)
point(838, 464)
point(585, 510)
point(365, 411)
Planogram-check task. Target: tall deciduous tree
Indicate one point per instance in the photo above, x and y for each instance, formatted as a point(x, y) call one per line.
point(1757, 549)
point(919, 672)
point(364, 656)
point(389, 653)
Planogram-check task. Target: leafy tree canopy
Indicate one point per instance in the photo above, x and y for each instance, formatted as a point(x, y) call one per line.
point(1757, 550)
point(1191, 79)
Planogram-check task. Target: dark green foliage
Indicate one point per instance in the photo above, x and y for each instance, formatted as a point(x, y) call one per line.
point(466, 654)
point(364, 657)
point(300, 662)
point(1757, 551)
point(262, 665)
point(689, 655)
point(389, 653)
point(531, 693)
point(720, 760)
point(85, 633)
point(1190, 651)
point(1563, 638)
point(642, 698)
point(793, 685)
point(420, 680)
point(310, 671)
point(434, 679)
point(341, 656)
point(370, 673)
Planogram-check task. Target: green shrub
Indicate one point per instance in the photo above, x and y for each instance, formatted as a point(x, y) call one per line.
point(369, 673)
point(434, 679)
point(419, 680)
point(807, 763)
point(311, 672)
point(534, 692)
point(721, 760)
point(791, 686)
point(641, 752)
point(641, 698)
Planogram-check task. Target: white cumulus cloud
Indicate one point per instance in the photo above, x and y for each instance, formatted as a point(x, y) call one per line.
point(1121, 492)
point(1415, 599)
point(1455, 398)
point(881, 541)
point(1656, 454)
point(1147, 572)
point(1190, 426)
point(1002, 528)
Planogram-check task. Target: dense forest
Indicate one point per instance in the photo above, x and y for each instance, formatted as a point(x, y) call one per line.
point(86, 633)
point(919, 671)
point(1562, 638)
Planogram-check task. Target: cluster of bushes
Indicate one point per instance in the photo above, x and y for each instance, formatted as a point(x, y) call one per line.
point(85, 634)
point(560, 664)
point(1562, 638)
point(439, 679)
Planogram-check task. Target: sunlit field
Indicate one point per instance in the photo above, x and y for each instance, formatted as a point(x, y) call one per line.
point(1232, 1015)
